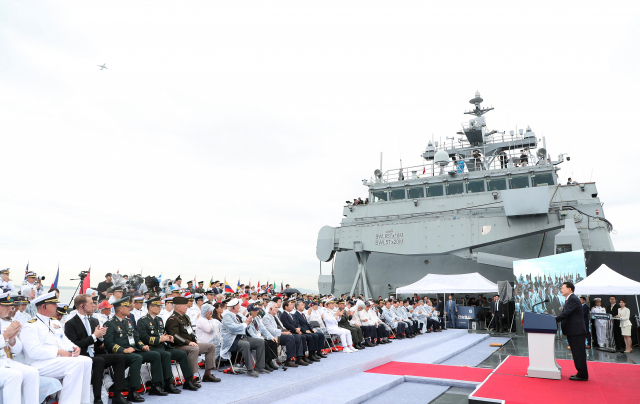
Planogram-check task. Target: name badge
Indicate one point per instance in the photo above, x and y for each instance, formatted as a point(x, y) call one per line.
point(132, 341)
point(189, 331)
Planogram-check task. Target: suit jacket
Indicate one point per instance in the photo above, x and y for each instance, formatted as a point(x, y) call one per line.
point(572, 317)
point(304, 324)
point(586, 313)
point(614, 311)
point(75, 330)
point(500, 309)
point(453, 306)
point(440, 307)
point(290, 322)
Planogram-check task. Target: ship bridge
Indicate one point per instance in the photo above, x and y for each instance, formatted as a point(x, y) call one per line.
point(482, 189)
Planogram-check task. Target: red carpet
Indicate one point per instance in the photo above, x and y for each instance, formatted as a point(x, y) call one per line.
point(614, 383)
point(434, 371)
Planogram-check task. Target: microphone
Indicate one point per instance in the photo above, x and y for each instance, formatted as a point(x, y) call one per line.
point(544, 301)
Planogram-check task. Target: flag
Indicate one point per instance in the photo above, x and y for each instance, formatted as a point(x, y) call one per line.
point(160, 280)
point(238, 287)
point(54, 285)
point(249, 283)
point(281, 286)
point(258, 287)
point(195, 284)
point(424, 170)
point(87, 282)
point(26, 271)
point(118, 271)
point(227, 288)
point(211, 282)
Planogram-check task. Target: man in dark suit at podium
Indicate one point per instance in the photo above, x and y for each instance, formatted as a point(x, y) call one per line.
point(572, 320)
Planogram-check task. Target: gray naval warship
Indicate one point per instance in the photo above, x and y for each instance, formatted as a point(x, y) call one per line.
point(477, 203)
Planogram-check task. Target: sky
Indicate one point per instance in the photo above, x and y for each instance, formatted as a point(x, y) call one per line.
point(223, 135)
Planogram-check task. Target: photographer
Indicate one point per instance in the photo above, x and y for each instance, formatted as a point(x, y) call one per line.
point(33, 288)
point(103, 286)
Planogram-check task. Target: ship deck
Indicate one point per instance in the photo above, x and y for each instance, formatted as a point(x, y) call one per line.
point(360, 377)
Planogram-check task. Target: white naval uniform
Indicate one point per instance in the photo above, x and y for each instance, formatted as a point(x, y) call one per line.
point(601, 325)
point(194, 314)
point(164, 315)
point(101, 318)
point(7, 285)
point(42, 337)
point(138, 314)
point(22, 317)
point(330, 320)
point(18, 380)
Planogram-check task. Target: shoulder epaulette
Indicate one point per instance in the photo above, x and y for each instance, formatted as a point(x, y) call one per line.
point(33, 320)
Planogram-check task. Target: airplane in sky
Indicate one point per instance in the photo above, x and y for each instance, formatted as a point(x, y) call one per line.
point(104, 66)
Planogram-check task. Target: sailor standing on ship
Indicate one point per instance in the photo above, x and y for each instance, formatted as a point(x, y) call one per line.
point(31, 289)
point(601, 325)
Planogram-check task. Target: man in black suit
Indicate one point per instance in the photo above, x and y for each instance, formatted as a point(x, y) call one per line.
point(497, 313)
point(612, 309)
point(440, 309)
point(290, 322)
point(305, 327)
point(586, 314)
point(572, 320)
point(77, 330)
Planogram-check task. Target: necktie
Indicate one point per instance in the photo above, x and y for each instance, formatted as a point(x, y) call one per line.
point(278, 323)
point(88, 327)
point(239, 319)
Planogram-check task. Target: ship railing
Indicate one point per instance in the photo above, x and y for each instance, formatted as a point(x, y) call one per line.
point(483, 163)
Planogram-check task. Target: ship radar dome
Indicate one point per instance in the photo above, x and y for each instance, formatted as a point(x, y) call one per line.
point(441, 158)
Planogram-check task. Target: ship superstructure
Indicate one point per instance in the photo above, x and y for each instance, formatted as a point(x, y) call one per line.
point(476, 204)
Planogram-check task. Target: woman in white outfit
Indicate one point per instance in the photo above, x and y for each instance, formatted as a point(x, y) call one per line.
point(331, 321)
point(625, 323)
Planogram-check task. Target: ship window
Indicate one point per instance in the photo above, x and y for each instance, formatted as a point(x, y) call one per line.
point(396, 194)
point(379, 196)
point(416, 193)
point(499, 184)
point(518, 182)
point(475, 186)
point(563, 248)
point(543, 179)
point(455, 188)
point(435, 190)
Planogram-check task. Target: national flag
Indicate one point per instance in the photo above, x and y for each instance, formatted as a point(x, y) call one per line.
point(87, 282)
point(211, 282)
point(195, 284)
point(118, 271)
point(258, 287)
point(249, 283)
point(54, 285)
point(424, 170)
point(26, 271)
point(227, 288)
point(281, 286)
point(238, 287)
point(160, 280)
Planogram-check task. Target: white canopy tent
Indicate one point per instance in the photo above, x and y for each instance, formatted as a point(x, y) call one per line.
point(462, 283)
point(606, 281)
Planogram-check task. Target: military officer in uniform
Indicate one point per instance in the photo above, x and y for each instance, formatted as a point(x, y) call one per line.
point(356, 332)
point(5, 284)
point(18, 379)
point(121, 338)
point(47, 349)
point(21, 313)
point(179, 326)
point(138, 309)
point(200, 288)
point(151, 332)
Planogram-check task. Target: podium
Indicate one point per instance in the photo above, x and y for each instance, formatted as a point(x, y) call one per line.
point(541, 331)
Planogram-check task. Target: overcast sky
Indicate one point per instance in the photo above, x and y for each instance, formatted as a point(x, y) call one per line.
point(224, 135)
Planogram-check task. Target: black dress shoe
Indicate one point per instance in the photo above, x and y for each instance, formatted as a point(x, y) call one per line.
point(116, 399)
point(580, 379)
point(134, 397)
point(369, 344)
point(188, 385)
point(155, 390)
point(170, 388)
point(313, 359)
point(320, 354)
point(316, 356)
